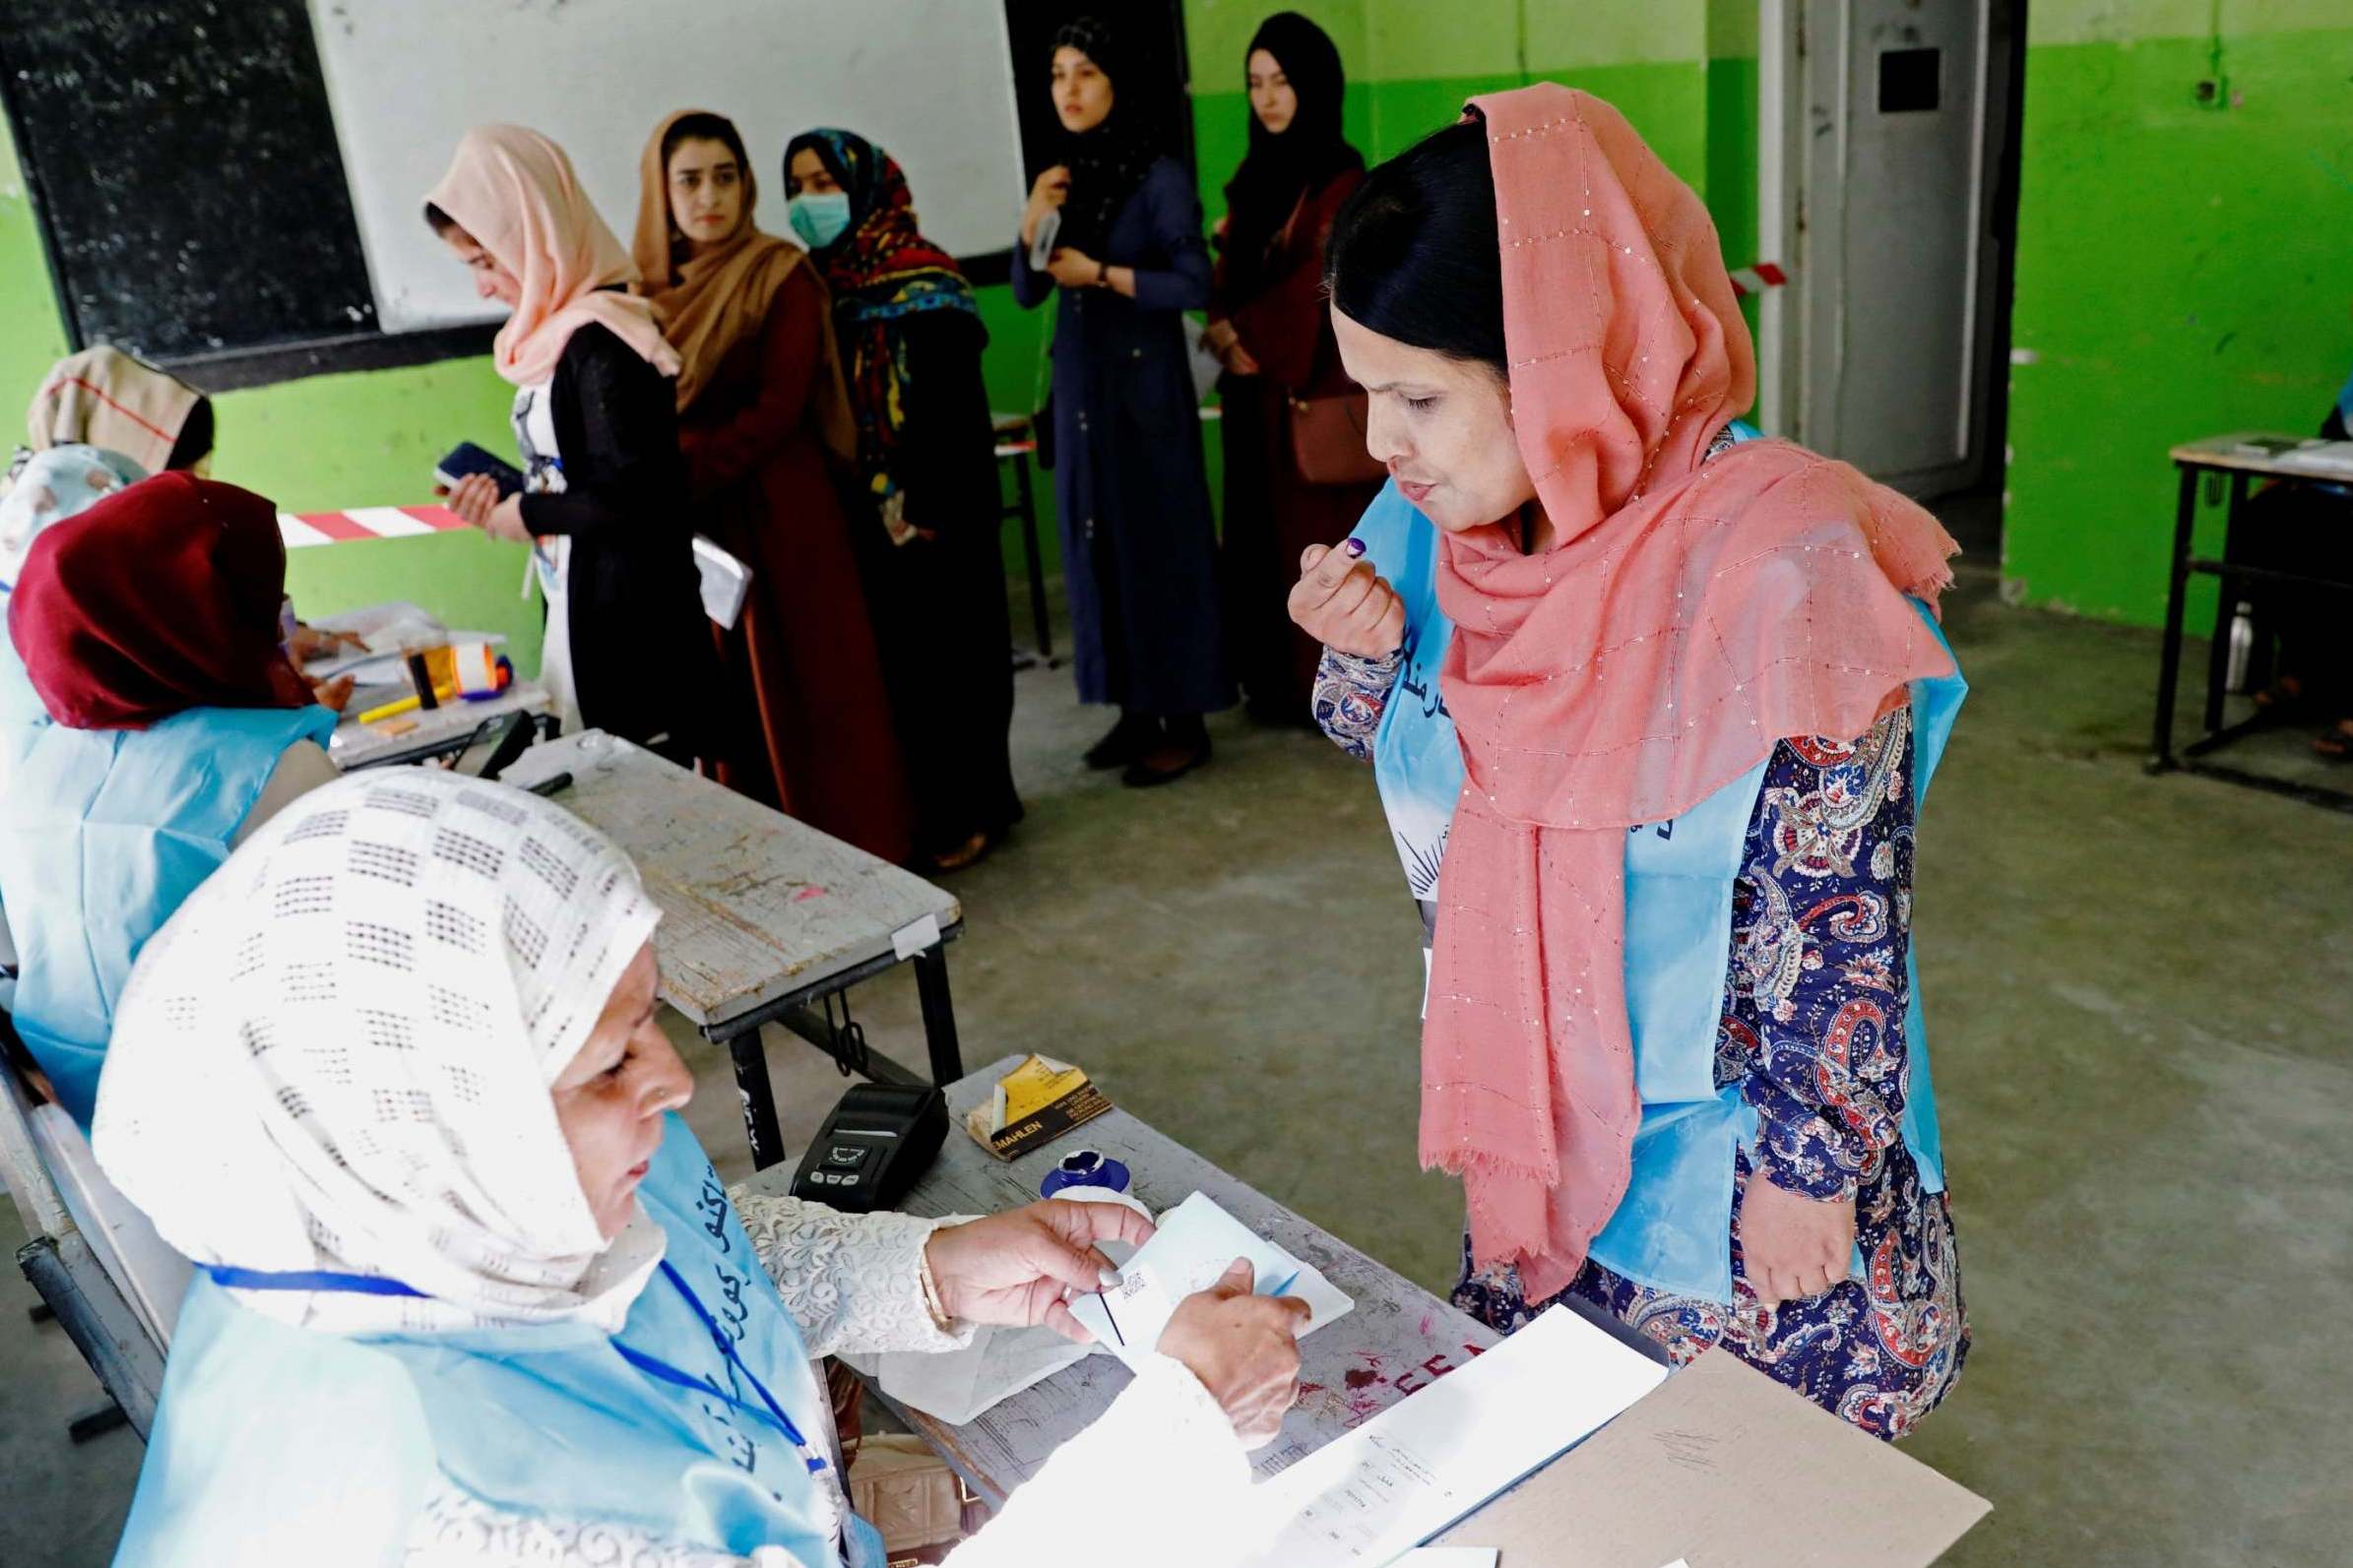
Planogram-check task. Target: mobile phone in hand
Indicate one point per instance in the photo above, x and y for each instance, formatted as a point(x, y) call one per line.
point(466, 458)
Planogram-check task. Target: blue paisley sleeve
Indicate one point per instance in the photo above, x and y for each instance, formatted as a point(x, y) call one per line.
point(1820, 931)
point(1351, 693)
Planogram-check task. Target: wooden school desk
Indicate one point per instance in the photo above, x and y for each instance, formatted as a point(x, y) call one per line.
point(764, 918)
point(2242, 457)
point(1398, 1338)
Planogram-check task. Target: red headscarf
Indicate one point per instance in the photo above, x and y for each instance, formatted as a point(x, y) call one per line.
point(162, 597)
point(1685, 619)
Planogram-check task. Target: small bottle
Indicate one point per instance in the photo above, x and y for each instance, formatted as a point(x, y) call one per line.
point(2242, 649)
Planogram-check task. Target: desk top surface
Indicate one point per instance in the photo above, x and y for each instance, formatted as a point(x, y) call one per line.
point(755, 904)
point(358, 745)
point(1396, 1340)
point(2263, 452)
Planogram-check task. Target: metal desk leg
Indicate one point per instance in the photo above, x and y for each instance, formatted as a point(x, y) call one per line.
point(1033, 561)
point(2178, 580)
point(759, 1099)
point(939, 1013)
point(2225, 599)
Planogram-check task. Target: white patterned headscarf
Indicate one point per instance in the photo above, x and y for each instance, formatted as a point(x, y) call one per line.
point(337, 1056)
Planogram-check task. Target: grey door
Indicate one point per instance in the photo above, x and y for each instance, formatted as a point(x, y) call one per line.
point(1894, 223)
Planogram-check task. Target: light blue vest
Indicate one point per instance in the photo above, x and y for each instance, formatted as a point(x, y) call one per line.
point(103, 833)
point(1673, 1229)
point(280, 1444)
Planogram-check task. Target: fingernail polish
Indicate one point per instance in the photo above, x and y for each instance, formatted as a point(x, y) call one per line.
point(1353, 548)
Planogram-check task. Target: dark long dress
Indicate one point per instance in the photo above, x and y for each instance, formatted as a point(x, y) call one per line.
point(1139, 551)
point(801, 664)
point(939, 604)
point(1272, 515)
point(641, 661)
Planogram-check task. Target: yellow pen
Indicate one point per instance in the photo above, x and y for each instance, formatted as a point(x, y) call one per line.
point(399, 706)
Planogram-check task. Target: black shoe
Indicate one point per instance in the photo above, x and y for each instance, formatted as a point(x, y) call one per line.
point(1165, 764)
point(1128, 740)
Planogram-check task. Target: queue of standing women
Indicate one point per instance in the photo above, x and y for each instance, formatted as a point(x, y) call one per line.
point(816, 411)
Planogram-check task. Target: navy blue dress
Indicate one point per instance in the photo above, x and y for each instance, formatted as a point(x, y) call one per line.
point(1139, 551)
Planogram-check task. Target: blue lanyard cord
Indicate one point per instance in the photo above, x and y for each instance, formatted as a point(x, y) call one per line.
point(375, 1285)
point(726, 1348)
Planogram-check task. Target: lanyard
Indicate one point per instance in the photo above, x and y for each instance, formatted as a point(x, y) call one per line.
point(653, 1366)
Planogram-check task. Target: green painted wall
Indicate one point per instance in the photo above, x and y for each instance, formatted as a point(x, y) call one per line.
point(2181, 271)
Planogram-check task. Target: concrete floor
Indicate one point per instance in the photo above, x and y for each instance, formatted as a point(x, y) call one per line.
point(2139, 991)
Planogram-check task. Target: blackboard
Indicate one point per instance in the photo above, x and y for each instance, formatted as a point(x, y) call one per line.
point(183, 160)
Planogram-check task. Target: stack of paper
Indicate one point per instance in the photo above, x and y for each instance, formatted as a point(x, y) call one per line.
point(1424, 1462)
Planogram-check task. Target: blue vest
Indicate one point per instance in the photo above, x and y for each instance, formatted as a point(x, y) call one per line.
point(1673, 1229)
point(281, 1444)
point(103, 833)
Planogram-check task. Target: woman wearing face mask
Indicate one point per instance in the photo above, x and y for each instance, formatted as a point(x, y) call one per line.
point(1672, 1042)
point(627, 649)
point(1267, 324)
point(469, 1294)
point(911, 338)
point(767, 433)
point(1138, 552)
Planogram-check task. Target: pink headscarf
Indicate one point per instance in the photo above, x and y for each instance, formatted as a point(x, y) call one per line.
point(513, 191)
point(1685, 619)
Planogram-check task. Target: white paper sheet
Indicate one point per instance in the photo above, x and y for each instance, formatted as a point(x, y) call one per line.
point(1197, 1241)
point(1438, 1455)
point(1451, 1557)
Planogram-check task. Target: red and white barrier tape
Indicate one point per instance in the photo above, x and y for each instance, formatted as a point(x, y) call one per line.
point(1757, 278)
point(364, 522)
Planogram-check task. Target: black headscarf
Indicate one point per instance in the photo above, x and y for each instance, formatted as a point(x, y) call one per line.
point(1281, 169)
point(1109, 163)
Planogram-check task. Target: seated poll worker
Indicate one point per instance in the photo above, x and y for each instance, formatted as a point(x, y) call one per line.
point(149, 720)
point(468, 1290)
point(103, 420)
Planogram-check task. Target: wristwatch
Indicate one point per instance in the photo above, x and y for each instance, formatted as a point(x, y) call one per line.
point(1103, 275)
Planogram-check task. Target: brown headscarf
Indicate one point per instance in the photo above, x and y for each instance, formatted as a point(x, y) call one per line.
point(709, 304)
point(105, 398)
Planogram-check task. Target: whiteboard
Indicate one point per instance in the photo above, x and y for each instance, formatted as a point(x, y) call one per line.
point(931, 81)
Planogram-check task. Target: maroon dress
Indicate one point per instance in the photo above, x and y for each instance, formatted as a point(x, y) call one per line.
point(808, 726)
point(1272, 515)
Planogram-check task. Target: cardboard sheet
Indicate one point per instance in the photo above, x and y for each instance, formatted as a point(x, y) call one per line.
point(1724, 1467)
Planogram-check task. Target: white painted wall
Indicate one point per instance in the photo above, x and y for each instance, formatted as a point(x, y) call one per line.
point(929, 81)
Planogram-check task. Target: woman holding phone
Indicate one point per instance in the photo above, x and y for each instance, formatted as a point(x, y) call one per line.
point(626, 650)
point(1139, 554)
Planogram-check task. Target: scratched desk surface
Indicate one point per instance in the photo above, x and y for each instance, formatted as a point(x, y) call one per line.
point(1397, 1339)
point(755, 903)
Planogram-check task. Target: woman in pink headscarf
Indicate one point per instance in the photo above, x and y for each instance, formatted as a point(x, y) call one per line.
point(1675, 701)
point(598, 425)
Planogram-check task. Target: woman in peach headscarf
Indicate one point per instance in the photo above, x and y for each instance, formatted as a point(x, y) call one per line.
point(1698, 687)
point(768, 435)
point(626, 650)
